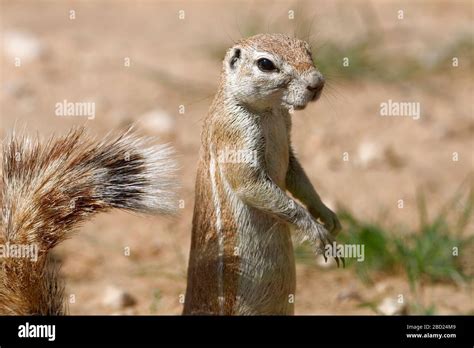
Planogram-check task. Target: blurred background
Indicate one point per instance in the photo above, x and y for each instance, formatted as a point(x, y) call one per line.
point(403, 187)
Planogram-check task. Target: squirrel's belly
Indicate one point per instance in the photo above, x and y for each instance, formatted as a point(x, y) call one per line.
point(266, 272)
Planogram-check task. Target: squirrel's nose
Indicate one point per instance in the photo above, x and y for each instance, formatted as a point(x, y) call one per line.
point(315, 88)
point(317, 84)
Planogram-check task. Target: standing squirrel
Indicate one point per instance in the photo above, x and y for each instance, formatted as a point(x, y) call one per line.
point(241, 260)
point(49, 189)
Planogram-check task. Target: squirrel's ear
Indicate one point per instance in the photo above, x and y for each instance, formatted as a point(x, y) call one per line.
point(234, 57)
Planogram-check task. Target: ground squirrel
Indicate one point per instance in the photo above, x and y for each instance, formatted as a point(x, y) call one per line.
point(241, 259)
point(49, 189)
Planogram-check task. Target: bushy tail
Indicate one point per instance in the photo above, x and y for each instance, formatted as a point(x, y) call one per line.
point(49, 189)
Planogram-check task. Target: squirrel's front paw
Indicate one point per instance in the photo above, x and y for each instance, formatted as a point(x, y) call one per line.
point(328, 218)
point(326, 237)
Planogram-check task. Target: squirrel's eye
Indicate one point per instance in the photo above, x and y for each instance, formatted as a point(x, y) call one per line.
point(265, 64)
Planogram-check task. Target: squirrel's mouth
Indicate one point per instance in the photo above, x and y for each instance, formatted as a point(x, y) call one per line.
point(303, 102)
point(293, 106)
point(317, 94)
point(299, 107)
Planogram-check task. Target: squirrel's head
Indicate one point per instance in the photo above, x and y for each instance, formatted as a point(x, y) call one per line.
point(268, 70)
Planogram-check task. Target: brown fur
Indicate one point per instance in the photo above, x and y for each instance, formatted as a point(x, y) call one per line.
point(49, 189)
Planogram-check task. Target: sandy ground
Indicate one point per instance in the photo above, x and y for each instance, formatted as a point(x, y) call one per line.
point(177, 62)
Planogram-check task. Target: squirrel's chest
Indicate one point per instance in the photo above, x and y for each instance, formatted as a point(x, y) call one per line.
point(275, 130)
